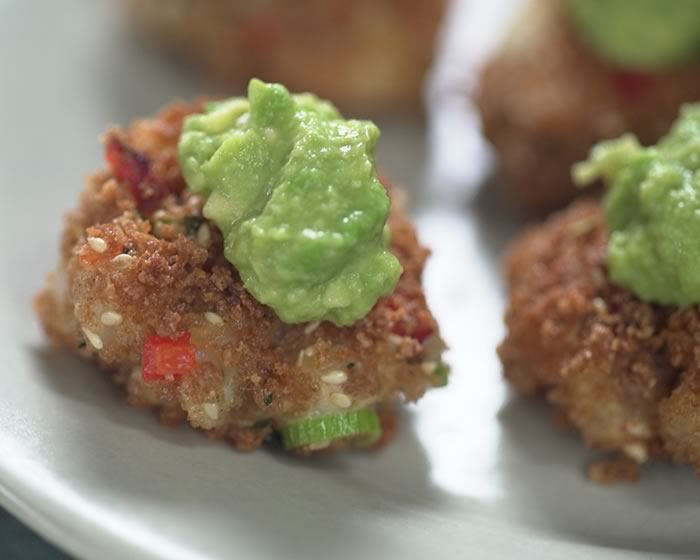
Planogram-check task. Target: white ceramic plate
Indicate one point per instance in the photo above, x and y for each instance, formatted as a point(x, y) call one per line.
point(475, 473)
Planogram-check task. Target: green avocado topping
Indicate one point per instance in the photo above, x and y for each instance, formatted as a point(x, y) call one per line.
point(639, 34)
point(293, 188)
point(653, 210)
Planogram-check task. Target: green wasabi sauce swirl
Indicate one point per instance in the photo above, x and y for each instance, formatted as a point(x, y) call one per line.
point(293, 188)
point(653, 210)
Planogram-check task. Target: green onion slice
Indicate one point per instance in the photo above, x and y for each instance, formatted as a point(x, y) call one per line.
point(316, 429)
point(440, 375)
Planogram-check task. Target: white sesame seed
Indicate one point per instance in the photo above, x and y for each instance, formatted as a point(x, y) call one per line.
point(599, 305)
point(395, 339)
point(93, 338)
point(341, 400)
point(111, 318)
point(636, 451)
point(203, 235)
point(214, 318)
point(123, 260)
point(300, 358)
point(97, 244)
point(638, 429)
point(311, 327)
point(429, 367)
point(318, 445)
point(211, 410)
point(335, 377)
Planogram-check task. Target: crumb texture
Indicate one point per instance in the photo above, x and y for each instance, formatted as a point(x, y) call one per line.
point(622, 371)
point(138, 260)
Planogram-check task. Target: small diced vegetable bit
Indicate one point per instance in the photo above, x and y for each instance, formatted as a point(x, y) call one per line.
point(631, 85)
point(192, 224)
point(133, 168)
point(165, 357)
point(101, 245)
point(127, 165)
point(440, 374)
point(319, 429)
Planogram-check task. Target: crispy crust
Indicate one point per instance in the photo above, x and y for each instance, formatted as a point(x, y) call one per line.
point(366, 55)
point(623, 372)
point(545, 99)
point(256, 370)
point(613, 471)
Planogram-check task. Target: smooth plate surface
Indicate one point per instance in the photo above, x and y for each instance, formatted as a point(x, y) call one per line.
point(475, 473)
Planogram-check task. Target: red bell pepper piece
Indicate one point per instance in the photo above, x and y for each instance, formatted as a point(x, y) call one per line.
point(134, 169)
point(632, 85)
point(165, 357)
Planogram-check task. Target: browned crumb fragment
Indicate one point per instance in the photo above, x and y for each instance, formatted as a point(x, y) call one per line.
point(613, 471)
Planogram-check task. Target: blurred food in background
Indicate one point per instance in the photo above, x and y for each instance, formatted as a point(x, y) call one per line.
point(365, 55)
point(577, 71)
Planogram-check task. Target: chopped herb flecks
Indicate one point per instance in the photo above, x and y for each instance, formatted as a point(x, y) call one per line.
point(192, 225)
point(440, 374)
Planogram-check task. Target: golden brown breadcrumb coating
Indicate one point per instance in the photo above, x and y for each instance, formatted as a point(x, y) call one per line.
point(366, 55)
point(138, 259)
point(545, 99)
point(622, 371)
point(612, 471)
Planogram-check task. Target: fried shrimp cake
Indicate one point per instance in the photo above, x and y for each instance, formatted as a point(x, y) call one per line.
point(144, 290)
point(621, 371)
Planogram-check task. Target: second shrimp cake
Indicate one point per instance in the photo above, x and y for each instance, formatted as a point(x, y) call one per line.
point(603, 314)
